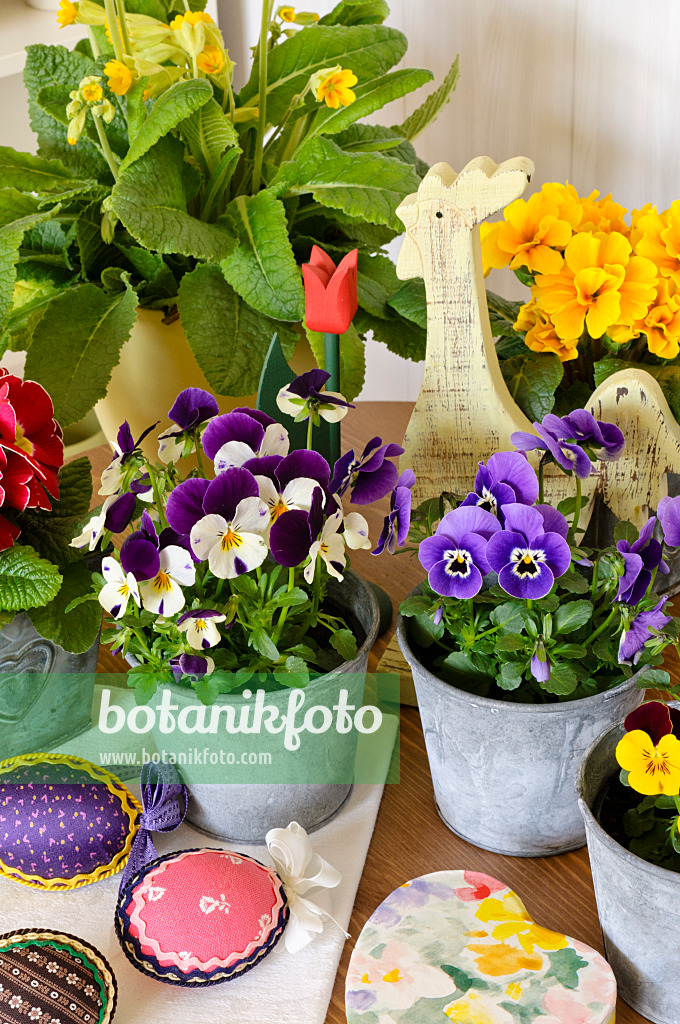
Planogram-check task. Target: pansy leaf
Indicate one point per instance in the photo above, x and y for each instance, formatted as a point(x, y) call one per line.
point(510, 642)
point(572, 615)
point(570, 651)
point(510, 676)
point(344, 642)
point(508, 617)
point(145, 684)
point(565, 965)
point(264, 644)
point(574, 583)
point(26, 580)
point(624, 530)
point(655, 678)
point(414, 605)
point(207, 689)
point(563, 680)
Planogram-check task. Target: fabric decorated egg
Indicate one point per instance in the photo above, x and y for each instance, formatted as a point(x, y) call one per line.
point(53, 978)
point(201, 916)
point(461, 946)
point(64, 822)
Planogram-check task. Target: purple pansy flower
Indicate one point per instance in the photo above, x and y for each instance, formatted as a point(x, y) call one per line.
point(606, 439)
point(119, 513)
point(548, 438)
point(638, 633)
point(296, 398)
point(640, 559)
point(507, 478)
point(398, 519)
point(455, 556)
point(526, 556)
point(193, 665)
point(124, 447)
point(192, 407)
point(292, 534)
point(200, 627)
point(540, 664)
point(237, 438)
point(288, 484)
point(668, 514)
point(371, 476)
point(161, 565)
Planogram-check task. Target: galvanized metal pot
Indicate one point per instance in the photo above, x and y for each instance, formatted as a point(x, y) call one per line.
point(504, 773)
point(638, 903)
point(45, 692)
point(244, 811)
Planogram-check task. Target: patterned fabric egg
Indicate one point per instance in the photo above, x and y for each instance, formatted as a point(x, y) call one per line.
point(64, 822)
point(53, 978)
point(200, 916)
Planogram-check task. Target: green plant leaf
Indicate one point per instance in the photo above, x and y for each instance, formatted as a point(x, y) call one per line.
point(532, 381)
point(357, 12)
point(415, 605)
point(263, 269)
point(352, 360)
point(264, 644)
point(508, 617)
point(92, 327)
point(170, 109)
point(565, 965)
point(78, 629)
point(158, 217)
point(510, 642)
point(207, 133)
point(26, 579)
point(51, 533)
point(364, 185)
point(431, 108)
point(30, 173)
point(510, 676)
point(572, 615)
point(402, 337)
point(344, 642)
point(410, 302)
point(376, 138)
point(563, 680)
point(11, 237)
point(368, 50)
point(229, 339)
point(623, 530)
point(574, 583)
point(377, 281)
point(371, 96)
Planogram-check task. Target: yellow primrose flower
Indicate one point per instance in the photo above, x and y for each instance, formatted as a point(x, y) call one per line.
point(660, 323)
point(119, 77)
point(211, 60)
point(286, 14)
point(335, 88)
point(652, 770)
point(67, 13)
point(603, 215)
point(566, 199)
point(190, 18)
point(530, 236)
point(660, 240)
point(541, 335)
point(91, 90)
point(587, 291)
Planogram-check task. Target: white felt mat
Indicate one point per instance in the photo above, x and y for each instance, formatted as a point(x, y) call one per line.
point(284, 989)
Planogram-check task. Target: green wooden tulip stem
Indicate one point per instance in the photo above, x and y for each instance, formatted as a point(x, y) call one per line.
point(331, 362)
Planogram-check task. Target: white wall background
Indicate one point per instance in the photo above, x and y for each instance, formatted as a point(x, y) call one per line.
point(589, 89)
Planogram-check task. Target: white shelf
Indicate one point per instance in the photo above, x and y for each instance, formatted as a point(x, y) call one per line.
point(21, 25)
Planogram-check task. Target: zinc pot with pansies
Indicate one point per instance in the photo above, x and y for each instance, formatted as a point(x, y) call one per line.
point(638, 903)
point(238, 809)
point(503, 773)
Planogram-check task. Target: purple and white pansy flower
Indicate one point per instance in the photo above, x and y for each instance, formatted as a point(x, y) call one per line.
point(634, 638)
point(398, 519)
point(668, 514)
point(236, 438)
point(641, 559)
point(455, 557)
point(529, 553)
point(114, 515)
point(193, 665)
point(191, 408)
point(200, 627)
point(124, 447)
point(119, 587)
point(160, 566)
point(606, 440)
point(371, 476)
point(289, 483)
point(549, 438)
point(506, 478)
point(306, 395)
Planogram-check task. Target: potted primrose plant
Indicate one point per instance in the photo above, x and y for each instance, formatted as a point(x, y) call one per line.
point(628, 794)
point(47, 656)
point(524, 645)
point(232, 588)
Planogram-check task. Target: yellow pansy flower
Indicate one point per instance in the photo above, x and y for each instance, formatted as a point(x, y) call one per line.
point(211, 60)
point(531, 235)
point(335, 88)
point(67, 13)
point(652, 770)
point(660, 241)
point(541, 335)
point(119, 77)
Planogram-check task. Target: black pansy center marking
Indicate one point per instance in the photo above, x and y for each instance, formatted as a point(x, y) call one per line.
point(487, 501)
point(526, 562)
point(458, 562)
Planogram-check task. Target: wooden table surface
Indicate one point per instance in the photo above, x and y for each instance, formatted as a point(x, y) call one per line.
point(410, 838)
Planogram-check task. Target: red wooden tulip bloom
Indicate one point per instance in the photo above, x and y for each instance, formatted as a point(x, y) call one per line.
point(330, 291)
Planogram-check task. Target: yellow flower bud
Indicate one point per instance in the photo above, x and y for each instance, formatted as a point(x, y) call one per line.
point(211, 60)
point(67, 13)
point(76, 125)
point(90, 13)
point(119, 77)
point(91, 90)
point(306, 18)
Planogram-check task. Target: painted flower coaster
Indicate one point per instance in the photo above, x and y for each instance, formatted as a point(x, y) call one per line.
point(54, 978)
point(461, 946)
point(64, 822)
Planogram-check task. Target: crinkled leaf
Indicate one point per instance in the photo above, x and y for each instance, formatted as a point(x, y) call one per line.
point(263, 269)
point(364, 185)
point(352, 360)
point(344, 642)
point(410, 302)
point(357, 12)
point(51, 533)
point(431, 108)
point(377, 281)
point(26, 579)
point(157, 216)
point(172, 107)
point(532, 381)
point(403, 338)
point(368, 51)
point(371, 96)
point(78, 629)
point(207, 133)
point(33, 174)
point(572, 615)
point(376, 138)
point(11, 236)
point(91, 327)
point(229, 339)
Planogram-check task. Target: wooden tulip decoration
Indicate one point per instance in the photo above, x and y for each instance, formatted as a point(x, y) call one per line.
point(330, 306)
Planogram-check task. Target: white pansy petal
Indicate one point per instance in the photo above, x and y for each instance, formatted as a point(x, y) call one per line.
point(331, 526)
point(133, 587)
point(337, 412)
point(112, 570)
point(111, 477)
point(275, 441)
point(114, 597)
point(206, 533)
point(178, 564)
point(232, 454)
point(161, 595)
point(202, 633)
point(169, 449)
point(333, 550)
point(311, 568)
point(298, 493)
point(356, 531)
point(268, 492)
point(251, 516)
point(244, 552)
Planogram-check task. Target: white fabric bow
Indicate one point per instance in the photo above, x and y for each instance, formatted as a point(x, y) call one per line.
point(300, 869)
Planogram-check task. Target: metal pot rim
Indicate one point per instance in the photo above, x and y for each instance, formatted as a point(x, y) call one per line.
point(491, 703)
